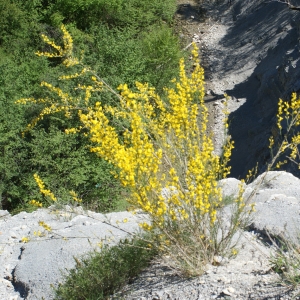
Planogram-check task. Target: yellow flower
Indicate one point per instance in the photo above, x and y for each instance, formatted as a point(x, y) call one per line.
point(35, 203)
point(25, 239)
point(75, 196)
point(45, 226)
point(41, 185)
point(234, 251)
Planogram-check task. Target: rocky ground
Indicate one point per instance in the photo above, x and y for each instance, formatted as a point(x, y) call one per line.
point(249, 275)
point(30, 270)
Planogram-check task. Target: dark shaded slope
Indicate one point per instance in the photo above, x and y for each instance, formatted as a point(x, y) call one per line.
point(265, 36)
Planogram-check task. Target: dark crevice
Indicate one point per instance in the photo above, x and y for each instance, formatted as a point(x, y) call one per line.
point(19, 286)
point(21, 252)
point(266, 237)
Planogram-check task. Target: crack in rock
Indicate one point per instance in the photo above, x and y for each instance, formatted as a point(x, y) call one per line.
point(19, 286)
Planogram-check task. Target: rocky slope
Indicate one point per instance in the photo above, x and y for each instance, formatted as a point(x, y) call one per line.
point(251, 51)
point(29, 270)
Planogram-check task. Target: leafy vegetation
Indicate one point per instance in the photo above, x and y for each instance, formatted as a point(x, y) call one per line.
point(124, 41)
point(103, 273)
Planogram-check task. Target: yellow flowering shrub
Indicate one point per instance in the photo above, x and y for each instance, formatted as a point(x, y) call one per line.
point(48, 195)
point(164, 156)
point(43, 190)
point(288, 141)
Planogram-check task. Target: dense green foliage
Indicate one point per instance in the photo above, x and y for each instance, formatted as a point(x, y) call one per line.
point(103, 273)
point(115, 13)
point(124, 41)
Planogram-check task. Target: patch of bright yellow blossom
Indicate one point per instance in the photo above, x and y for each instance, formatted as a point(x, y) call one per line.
point(71, 130)
point(165, 146)
point(75, 196)
point(66, 52)
point(45, 226)
point(38, 233)
point(36, 203)
point(43, 190)
point(289, 115)
point(25, 239)
point(234, 251)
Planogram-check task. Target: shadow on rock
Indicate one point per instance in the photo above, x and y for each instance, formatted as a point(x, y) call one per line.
point(269, 36)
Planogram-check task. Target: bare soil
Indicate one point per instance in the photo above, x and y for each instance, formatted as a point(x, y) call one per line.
point(192, 23)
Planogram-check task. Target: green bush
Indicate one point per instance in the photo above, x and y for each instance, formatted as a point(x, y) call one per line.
point(120, 56)
point(125, 41)
point(64, 162)
point(103, 273)
point(114, 13)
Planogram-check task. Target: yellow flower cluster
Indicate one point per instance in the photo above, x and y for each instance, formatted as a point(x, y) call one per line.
point(165, 146)
point(289, 112)
point(65, 52)
point(36, 203)
point(75, 75)
point(227, 148)
point(41, 185)
point(38, 233)
point(251, 174)
point(75, 196)
point(64, 101)
point(32, 100)
point(280, 112)
point(239, 198)
point(25, 239)
point(271, 140)
point(71, 130)
point(45, 226)
point(280, 163)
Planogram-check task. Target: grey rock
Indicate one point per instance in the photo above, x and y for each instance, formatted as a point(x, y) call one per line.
point(277, 198)
point(230, 186)
point(4, 213)
point(32, 268)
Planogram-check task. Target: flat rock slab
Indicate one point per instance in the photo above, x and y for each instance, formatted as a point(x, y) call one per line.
point(277, 202)
point(277, 198)
point(30, 269)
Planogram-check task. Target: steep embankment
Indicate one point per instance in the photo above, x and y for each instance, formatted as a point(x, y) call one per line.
point(252, 54)
point(250, 50)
